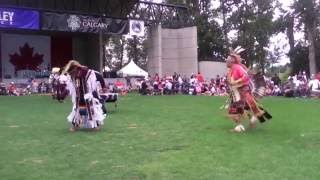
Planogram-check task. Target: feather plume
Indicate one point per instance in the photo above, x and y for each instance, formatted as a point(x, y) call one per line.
point(55, 70)
point(238, 50)
point(71, 64)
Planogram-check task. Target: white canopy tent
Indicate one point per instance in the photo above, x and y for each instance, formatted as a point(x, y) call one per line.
point(131, 69)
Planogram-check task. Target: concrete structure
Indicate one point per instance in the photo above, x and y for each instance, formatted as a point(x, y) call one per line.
point(88, 50)
point(210, 69)
point(172, 50)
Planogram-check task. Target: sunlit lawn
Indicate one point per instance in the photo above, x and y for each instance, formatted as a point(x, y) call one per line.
point(159, 137)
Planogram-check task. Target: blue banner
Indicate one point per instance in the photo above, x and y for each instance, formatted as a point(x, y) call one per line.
point(19, 18)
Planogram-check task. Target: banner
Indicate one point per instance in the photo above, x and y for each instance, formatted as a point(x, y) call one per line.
point(24, 56)
point(18, 18)
point(136, 28)
point(80, 23)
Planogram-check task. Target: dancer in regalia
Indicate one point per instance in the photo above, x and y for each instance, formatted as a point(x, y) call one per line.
point(87, 109)
point(242, 98)
point(58, 81)
point(62, 91)
point(53, 80)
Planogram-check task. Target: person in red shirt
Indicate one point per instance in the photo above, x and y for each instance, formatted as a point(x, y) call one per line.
point(200, 77)
point(318, 76)
point(120, 87)
point(242, 98)
point(12, 89)
point(119, 84)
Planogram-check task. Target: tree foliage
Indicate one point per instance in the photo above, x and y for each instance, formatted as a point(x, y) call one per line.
point(300, 59)
point(211, 44)
point(246, 23)
point(136, 51)
point(253, 22)
point(307, 12)
point(114, 52)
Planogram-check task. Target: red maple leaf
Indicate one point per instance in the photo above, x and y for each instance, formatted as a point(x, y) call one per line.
point(26, 60)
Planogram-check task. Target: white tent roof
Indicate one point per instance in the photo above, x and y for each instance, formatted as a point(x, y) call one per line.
point(132, 69)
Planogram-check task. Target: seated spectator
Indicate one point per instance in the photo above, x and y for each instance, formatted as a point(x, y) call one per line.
point(12, 90)
point(43, 88)
point(185, 88)
point(223, 91)
point(111, 88)
point(218, 81)
point(129, 85)
point(180, 81)
point(276, 80)
point(276, 91)
point(156, 77)
point(213, 90)
point(268, 91)
point(289, 88)
point(120, 86)
point(192, 91)
point(144, 88)
point(175, 87)
point(34, 86)
point(192, 80)
point(156, 88)
point(198, 88)
point(168, 87)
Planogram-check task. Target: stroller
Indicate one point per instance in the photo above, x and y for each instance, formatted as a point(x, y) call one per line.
point(110, 98)
point(3, 90)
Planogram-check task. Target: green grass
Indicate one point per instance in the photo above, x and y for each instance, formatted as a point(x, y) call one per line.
point(169, 137)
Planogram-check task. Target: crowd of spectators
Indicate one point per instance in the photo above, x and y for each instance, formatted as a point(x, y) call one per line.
point(32, 86)
point(298, 85)
point(176, 84)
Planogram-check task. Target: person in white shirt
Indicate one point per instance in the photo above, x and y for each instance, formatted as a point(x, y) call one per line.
point(168, 87)
point(192, 81)
point(213, 90)
point(54, 80)
point(62, 90)
point(304, 76)
point(314, 86)
point(180, 80)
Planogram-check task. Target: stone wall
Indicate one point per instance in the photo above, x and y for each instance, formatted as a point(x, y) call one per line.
point(172, 50)
point(210, 69)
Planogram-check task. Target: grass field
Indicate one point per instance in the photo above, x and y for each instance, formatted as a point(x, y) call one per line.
point(169, 137)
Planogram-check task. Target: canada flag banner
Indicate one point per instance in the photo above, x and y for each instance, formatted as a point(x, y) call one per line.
point(23, 56)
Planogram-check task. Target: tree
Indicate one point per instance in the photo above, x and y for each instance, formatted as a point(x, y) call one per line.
point(290, 33)
point(300, 59)
point(306, 10)
point(211, 42)
point(118, 48)
point(252, 19)
point(136, 51)
point(273, 57)
point(114, 52)
point(210, 39)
